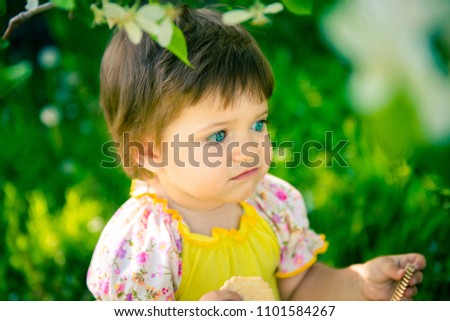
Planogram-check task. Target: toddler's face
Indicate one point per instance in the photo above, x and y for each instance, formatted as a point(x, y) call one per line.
point(215, 156)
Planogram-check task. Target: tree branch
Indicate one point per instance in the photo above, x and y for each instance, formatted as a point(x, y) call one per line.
point(24, 16)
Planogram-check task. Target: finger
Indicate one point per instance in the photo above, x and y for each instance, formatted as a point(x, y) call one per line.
point(410, 292)
point(228, 295)
point(416, 279)
point(397, 266)
point(221, 295)
point(417, 259)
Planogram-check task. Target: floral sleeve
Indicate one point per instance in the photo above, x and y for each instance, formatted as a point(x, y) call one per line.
point(138, 256)
point(283, 207)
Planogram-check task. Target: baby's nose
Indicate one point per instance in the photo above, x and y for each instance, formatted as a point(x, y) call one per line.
point(246, 152)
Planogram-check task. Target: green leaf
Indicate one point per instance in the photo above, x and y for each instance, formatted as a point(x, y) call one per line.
point(13, 75)
point(300, 7)
point(2, 7)
point(178, 46)
point(4, 44)
point(64, 4)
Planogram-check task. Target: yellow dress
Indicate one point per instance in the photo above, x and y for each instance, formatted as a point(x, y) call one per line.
point(251, 250)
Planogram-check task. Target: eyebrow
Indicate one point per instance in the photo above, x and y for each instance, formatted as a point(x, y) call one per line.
point(221, 123)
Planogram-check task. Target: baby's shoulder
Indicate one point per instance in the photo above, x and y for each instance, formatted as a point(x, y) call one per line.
point(279, 201)
point(143, 213)
point(139, 242)
point(275, 189)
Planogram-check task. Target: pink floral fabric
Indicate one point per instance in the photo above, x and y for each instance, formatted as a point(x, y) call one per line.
point(138, 255)
point(284, 209)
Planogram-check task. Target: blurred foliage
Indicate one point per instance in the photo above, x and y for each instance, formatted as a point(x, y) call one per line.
point(55, 197)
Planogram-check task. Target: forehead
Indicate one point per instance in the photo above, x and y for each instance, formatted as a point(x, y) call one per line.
point(212, 109)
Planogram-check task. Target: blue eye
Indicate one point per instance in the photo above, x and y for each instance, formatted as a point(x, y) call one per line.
point(259, 125)
point(217, 137)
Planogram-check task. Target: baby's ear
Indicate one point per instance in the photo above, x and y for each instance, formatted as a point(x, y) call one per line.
point(150, 158)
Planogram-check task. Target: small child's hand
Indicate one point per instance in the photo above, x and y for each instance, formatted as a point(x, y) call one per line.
point(379, 276)
point(221, 295)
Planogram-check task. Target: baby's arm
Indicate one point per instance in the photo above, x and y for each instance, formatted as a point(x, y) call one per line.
point(321, 282)
point(373, 280)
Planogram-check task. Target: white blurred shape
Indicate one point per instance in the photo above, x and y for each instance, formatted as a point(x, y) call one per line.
point(388, 44)
point(32, 4)
point(68, 166)
point(50, 116)
point(96, 224)
point(49, 57)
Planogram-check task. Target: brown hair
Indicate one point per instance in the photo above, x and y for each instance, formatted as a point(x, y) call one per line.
point(144, 87)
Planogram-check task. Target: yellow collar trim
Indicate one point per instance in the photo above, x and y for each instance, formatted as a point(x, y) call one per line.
point(249, 218)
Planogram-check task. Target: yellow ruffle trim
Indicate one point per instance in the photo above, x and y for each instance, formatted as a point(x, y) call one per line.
point(313, 260)
point(249, 218)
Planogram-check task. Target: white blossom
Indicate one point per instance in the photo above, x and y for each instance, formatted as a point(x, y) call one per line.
point(154, 19)
point(257, 13)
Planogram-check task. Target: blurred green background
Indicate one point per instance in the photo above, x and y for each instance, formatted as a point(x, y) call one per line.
point(55, 198)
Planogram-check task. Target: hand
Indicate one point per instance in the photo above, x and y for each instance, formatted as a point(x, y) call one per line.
point(379, 276)
point(221, 295)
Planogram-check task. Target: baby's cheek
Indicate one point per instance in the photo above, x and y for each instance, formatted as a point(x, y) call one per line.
point(267, 150)
point(211, 156)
